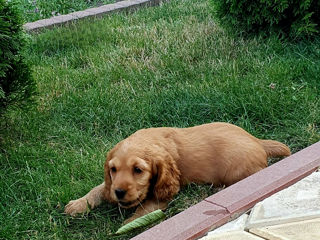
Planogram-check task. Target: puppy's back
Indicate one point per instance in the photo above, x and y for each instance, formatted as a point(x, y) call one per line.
point(222, 153)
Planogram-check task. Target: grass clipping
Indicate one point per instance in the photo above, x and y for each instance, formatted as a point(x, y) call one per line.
point(141, 222)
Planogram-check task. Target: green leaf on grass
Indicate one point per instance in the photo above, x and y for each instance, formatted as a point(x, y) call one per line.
point(141, 221)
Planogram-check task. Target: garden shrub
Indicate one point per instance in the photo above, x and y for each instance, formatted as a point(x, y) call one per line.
point(295, 18)
point(16, 82)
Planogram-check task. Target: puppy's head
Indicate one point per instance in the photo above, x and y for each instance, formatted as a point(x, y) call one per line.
point(127, 176)
point(131, 173)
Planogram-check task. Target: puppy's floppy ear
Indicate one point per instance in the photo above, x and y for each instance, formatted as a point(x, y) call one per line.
point(168, 176)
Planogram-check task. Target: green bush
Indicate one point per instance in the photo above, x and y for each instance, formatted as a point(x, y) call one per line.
point(295, 18)
point(16, 82)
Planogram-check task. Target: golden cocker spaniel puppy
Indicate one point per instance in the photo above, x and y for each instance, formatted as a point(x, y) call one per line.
point(149, 167)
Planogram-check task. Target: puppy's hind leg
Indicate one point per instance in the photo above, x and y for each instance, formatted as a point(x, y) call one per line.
point(92, 198)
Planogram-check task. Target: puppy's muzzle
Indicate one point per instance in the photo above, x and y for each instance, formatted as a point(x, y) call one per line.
point(120, 193)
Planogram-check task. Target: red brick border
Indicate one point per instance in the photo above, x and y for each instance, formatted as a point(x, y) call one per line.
point(236, 199)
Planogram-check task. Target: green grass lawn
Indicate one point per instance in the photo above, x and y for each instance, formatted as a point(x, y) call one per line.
point(39, 9)
point(101, 80)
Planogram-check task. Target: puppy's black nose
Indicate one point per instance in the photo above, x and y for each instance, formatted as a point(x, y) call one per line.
point(120, 193)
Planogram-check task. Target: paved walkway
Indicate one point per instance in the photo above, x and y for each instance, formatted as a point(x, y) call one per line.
point(291, 214)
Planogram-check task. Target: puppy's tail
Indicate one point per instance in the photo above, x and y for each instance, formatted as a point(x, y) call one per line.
point(275, 148)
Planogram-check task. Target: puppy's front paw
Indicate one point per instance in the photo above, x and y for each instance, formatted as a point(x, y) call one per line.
point(76, 206)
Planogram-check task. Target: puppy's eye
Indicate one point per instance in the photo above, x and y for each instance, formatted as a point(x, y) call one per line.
point(137, 170)
point(113, 169)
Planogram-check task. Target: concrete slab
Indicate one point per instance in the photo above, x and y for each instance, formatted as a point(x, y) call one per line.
point(304, 230)
point(82, 14)
point(103, 9)
point(235, 225)
point(49, 22)
point(126, 3)
point(299, 202)
point(63, 19)
point(235, 235)
point(33, 26)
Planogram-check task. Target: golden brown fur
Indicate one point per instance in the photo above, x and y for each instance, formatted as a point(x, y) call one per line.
point(151, 165)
